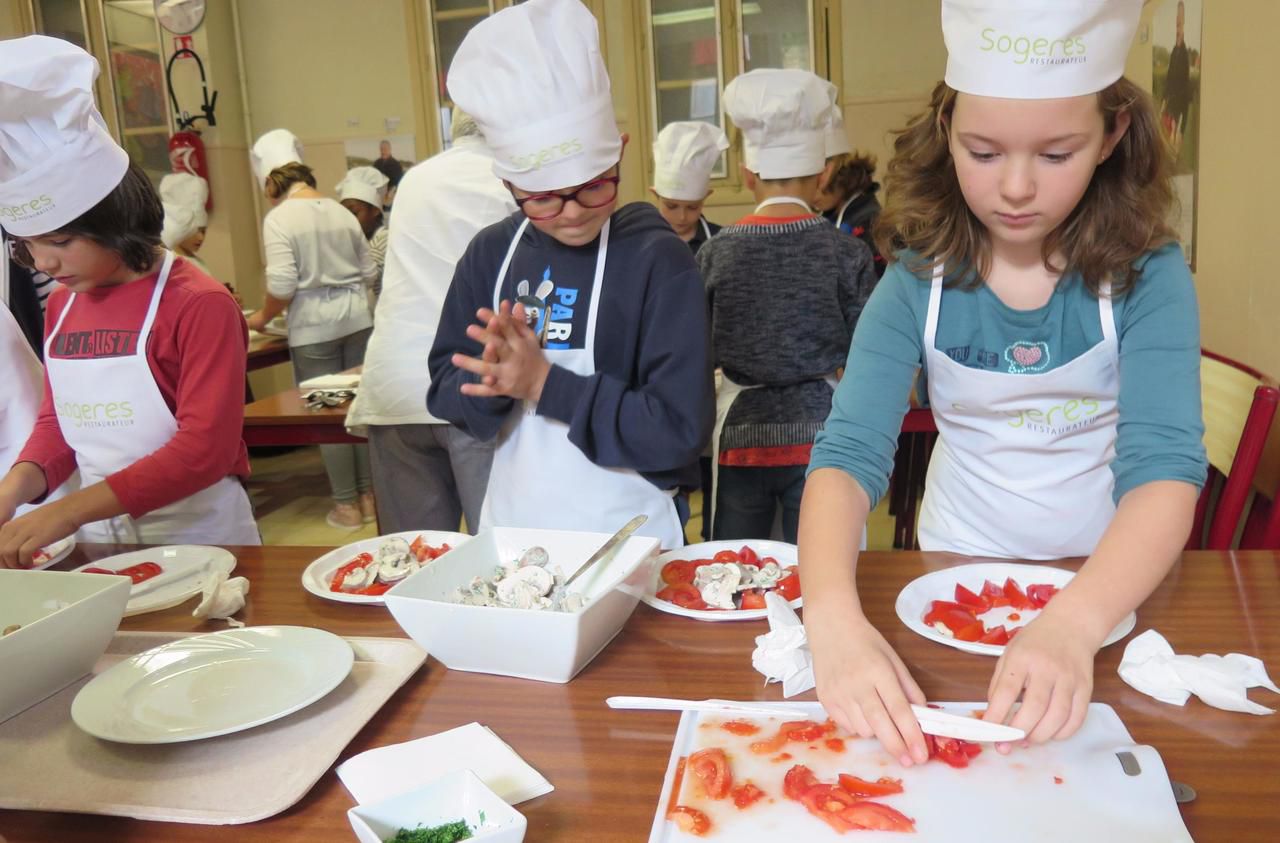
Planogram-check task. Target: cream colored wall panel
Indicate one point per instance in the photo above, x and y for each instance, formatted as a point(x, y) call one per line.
point(891, 48)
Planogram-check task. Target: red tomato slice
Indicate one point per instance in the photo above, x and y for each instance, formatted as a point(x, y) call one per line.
point(752, 599)
point(1040, 594)
point(746, 794)
point(797, 782)
point(997, 635)
point(789, 586)
point(993, 594)
point(690, 820)
point(141, 572)
point(951, 615)
point(828, 803)
point(682, 594)
point(951, 751)
point(876, 817)
point(740, 727)
point(1017, 599)
point(747, 556)
point(726, 556)
point(883, 786)
point(677, 571)
point(835, 744)
point(967, 598)
point(972, 632)
point(711, 766)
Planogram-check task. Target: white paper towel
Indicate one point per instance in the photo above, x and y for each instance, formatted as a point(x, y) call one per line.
point(1150, 666)
point(782, 654)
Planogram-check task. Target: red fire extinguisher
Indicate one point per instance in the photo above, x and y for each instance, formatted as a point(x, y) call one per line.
point(186, 149)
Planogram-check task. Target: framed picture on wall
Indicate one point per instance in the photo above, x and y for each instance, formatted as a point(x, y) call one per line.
point(1175, 85)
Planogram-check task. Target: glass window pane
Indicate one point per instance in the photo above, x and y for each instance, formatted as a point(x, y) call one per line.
point(776, 33)
point(451, 20)
point(137, 74)
point(687, 75)
point(63, 19)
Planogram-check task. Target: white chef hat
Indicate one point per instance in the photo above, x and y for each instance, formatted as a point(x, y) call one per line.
point(56, 158)
point(783, 115)
point(684, 154)
point(366, 184)
point(533, 78)
point(274, 149)
point(837, 142)
point(184, 196)
point(1037, 49)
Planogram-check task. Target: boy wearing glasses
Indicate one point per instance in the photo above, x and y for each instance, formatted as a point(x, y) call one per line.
point(574, 331)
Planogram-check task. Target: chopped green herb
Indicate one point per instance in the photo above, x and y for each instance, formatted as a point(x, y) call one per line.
point(447, 833)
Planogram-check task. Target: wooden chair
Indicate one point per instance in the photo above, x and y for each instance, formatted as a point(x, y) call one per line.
point(1239, 404)
point(1262, 521)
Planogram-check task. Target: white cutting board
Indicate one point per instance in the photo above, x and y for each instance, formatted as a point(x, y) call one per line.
point(996, 798)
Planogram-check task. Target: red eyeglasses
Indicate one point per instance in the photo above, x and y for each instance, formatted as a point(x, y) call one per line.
point(593, 194)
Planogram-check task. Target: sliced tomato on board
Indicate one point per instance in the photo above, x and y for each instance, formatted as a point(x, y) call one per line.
point(993, 594)
point(678, 571)
point(752, 599)
point(952, 751)
point(968, 599)
point(997, 635)
point(690, 820)
point(740, 727)
point(873, 816)
point(746, 795)
point(1040, 594)
point(884, 786)
point(797, 782)
point(1017, 598)
point(789, 586)
point(711, 768)
point(828, 803)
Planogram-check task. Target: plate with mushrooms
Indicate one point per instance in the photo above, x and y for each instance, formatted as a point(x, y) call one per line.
point(361, 572)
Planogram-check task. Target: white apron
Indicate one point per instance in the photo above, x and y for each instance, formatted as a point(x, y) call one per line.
point(541, 479)
point(1022, 465)
point(126, 420)
point(706, 229)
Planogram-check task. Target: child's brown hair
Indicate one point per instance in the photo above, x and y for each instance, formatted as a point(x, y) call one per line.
point(851, 173)
point(1122, 215)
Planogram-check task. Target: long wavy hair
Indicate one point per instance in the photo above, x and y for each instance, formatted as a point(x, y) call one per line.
point(1123, 214)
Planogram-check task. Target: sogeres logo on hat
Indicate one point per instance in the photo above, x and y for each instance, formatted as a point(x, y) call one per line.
point(30, 209)
point(540, 158)
point(1033, 49)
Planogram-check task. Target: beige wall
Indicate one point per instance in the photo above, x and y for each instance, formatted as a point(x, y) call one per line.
point(12, 18)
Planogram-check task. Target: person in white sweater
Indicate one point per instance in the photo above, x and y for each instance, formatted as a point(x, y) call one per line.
point(318, 265)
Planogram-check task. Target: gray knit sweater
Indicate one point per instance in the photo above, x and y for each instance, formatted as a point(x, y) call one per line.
point(783, 298)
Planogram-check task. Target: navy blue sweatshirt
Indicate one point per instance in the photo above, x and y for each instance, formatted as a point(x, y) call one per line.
point(650, 406)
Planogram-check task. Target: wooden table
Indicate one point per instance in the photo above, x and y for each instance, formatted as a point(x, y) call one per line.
point(267, 350)
point(607, 766)
point(283, 419)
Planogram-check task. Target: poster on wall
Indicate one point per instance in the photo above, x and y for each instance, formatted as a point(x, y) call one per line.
point(1175, 85)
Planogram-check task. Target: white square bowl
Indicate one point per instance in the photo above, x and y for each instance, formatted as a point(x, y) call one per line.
point(525, 643)
point(456, 796)
point(67, 622)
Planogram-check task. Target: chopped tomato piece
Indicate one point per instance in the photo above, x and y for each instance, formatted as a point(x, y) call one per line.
point(711, 766)
point(752, 599)
point(1017, 599)
point(1014, 616)
point(876, 817)
point(835, 744)
point(747, 556)
point(726, 556)
point(740, 727)
point(1040, 594)
point(797, 782)
point(339, 575)
point(972, 632)
point(784, 756)
point(952, 751)
point(828, 803)
point(993, 594)
point(690, 820)
point(677, 571)
point(1057, 779)
point(424, 552)
point(997, 635)
point(965, 597)
point(883, 786)
point(684, 595)
point(951, 615)
point(793, 730)
point(789, 586)
point(746, 794)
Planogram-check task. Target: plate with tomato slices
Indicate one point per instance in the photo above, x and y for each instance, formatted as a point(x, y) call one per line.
point(164, 577)
point(323, 576)
point(671, 587)
point(52, 554)
point(979, 608)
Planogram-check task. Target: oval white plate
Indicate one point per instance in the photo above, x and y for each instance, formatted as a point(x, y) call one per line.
point(214, 684)
point(199, 561)
point(781, 551)
point(913, 601)
point(318, 574)
point(57, 552)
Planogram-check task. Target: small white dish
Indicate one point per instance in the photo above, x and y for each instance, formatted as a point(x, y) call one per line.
point(453, 797)
point(214, 684)
point(200, 562)
point(785, 554)
point(319, 574)
point(55, 552)
point(915, 598)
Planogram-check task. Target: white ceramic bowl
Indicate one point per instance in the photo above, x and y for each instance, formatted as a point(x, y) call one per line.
point(526, 643)
point(67, 622)
point(456, 796)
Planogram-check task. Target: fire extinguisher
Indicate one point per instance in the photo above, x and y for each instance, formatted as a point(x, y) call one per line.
point(186, 149)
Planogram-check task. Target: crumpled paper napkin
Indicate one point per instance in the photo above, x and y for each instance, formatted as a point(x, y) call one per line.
point(222, 597)
point(782, 654)
point(1150, 666)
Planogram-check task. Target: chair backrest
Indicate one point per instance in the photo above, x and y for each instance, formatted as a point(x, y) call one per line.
point(1239, 404)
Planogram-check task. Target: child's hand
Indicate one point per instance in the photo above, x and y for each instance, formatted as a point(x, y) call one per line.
point(865, 687)
point(1050, 664)
point(512, 363)
point(22, 537)
point(256, 321)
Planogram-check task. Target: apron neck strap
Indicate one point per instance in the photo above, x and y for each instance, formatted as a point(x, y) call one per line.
point(785, 200)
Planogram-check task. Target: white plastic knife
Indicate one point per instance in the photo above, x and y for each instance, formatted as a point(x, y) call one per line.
point(932, 721)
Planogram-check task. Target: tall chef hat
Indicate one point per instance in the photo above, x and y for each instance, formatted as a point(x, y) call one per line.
point(1037, 49)
point(533, 78)
point(837, 142)
point(56, 158)
point(783, 115)
point(274, 149)
point(684, 154)
point(366, 184)
point(184, 196)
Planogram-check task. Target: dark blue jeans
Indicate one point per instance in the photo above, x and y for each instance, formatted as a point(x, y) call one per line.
point(748, 498)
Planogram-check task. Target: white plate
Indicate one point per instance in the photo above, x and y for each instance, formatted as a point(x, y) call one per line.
point(318, 574)
point(210, 685)
point(914, 599)
point(57, 552)
point(190, 558)
point(781, 551)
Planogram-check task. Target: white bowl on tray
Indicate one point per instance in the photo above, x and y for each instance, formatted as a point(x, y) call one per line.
point(67, 621)
point(455, 796)
point(548, 646)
